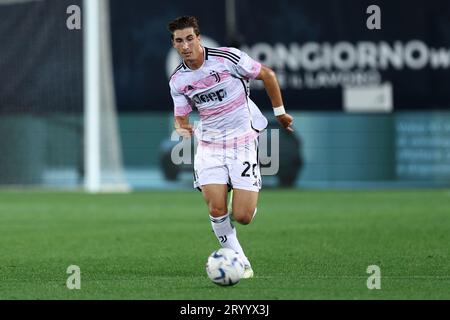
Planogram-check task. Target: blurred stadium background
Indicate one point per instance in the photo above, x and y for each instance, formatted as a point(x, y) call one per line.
point(371, 106)
point(90, 109)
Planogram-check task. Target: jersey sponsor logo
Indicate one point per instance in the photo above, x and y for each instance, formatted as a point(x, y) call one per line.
point(218, 95)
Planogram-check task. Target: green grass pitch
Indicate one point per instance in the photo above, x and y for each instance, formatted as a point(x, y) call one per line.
point(154, 245)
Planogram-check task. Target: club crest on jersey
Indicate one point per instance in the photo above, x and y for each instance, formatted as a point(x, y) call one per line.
point(215, 75)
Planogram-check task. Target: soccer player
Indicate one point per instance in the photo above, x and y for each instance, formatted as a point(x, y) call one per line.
point(215, 82)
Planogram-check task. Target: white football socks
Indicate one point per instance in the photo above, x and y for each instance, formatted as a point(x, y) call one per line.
point(226, 234)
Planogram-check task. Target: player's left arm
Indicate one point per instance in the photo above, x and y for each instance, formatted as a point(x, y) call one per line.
point(269, 77)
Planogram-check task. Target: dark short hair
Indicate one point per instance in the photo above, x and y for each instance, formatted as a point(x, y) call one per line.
point(183, 23)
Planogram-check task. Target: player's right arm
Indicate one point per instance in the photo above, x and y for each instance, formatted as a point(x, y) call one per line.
point(182, 108)
point(183, 127)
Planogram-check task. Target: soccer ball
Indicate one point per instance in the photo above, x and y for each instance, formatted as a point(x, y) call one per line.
point(224, 267)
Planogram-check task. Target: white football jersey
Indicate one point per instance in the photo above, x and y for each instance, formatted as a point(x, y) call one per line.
point(219, 90)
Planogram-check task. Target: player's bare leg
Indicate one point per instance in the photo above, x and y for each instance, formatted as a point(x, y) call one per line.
point(244, 209)
point(215, 196)
point(244, 205)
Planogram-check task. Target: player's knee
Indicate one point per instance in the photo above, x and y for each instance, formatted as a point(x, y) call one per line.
point(217, 211)
point(244, 220)
point(244, 217)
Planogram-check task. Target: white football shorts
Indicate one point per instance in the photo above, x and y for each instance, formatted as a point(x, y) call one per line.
point(236, 166)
